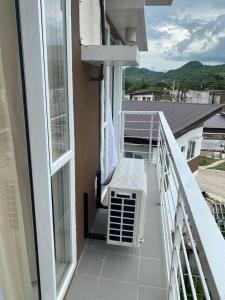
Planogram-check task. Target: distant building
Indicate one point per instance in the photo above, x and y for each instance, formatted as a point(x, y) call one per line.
point(143, 95)
point(199, 96)
point(217, 97)
point(214, 134)
point(127, 97)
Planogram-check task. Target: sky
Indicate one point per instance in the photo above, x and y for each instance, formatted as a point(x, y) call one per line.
point(185, 31)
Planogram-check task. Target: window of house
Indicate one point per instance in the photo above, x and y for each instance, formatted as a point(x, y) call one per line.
point(60, 144)
point(48, 81)
point(134, 155)
point(138, 156)
point(128, 154)
point(191, 150)
point(183, 149)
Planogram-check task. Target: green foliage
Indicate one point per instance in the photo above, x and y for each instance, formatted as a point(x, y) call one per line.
point(193, 75)
point(220, 167)
point(205, 161)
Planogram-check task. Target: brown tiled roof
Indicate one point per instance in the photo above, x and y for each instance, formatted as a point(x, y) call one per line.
point(182, 117)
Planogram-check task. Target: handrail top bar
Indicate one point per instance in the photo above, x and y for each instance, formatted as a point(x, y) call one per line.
point(129, 112)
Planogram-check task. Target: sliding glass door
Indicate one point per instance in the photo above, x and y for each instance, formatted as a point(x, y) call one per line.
point(59, 127)
point(51, 130)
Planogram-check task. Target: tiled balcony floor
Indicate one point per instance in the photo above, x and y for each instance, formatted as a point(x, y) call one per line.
point(107, 272)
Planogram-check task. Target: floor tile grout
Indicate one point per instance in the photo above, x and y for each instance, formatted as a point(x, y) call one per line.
point(103, 261)
point(122, 281)
point(140, 279)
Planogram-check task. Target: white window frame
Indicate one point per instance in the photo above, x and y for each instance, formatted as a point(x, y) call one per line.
point(104, 159)
point(34, 56)
point(190, 146)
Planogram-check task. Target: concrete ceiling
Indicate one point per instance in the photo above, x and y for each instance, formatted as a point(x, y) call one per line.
point(158, 2)
point(129, 13)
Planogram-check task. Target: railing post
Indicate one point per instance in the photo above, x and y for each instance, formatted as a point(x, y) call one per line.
point(162, 177)
point(179, 221)
point(122, 133)
point(150, 138)
point(158, 143)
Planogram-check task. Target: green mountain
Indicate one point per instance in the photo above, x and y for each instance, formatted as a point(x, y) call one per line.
point(193, 75)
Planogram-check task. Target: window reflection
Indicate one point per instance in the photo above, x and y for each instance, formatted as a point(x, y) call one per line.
point(57, 76)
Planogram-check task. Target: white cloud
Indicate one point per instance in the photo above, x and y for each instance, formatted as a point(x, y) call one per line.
point(187, 30)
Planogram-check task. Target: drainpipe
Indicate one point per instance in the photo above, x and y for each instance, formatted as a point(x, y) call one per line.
point(102, 12)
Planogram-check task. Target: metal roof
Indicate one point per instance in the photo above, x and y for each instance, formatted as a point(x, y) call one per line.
point(182, 117)
point(216, 122)
point(141, 92)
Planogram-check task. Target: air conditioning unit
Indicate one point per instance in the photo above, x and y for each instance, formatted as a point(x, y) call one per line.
point(126, 207)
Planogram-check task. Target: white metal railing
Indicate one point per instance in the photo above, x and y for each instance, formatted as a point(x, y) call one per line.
point(194, 245)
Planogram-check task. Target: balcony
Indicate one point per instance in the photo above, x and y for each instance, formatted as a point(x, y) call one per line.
point(182, 256)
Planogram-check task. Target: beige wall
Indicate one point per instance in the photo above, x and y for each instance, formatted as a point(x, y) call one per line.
point(90, 24)
point(87, 129)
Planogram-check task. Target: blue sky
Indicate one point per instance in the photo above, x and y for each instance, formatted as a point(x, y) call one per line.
point(187, 30)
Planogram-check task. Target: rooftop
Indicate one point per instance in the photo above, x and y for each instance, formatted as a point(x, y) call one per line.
point(216, 122)
point(141, 92)
point(182, 117)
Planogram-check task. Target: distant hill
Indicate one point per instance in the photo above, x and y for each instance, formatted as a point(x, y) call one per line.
point(143, 73)
point(191, 75)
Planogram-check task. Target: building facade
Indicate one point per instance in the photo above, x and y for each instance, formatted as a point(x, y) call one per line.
point(145, 95)
point(199, 96)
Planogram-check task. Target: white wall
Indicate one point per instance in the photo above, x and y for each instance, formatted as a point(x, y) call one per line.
point(149, 97)
point(197, 96)
point(90, 22)
point(195, 134)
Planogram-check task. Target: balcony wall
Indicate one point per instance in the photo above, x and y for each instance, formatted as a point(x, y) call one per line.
point(87, 132)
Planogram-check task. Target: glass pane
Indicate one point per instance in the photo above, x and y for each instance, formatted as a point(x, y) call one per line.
point(57, 76)
point(18, 269)
point(61, 220)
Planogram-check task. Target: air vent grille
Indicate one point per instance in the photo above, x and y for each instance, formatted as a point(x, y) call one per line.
point(123, 208)
point(127, 192)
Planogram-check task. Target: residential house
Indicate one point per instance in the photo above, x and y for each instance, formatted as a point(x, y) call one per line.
point(214, 134)
point(217, 97)
point(185, 120)
point(199, 96)
point(60, 139)
point(144, 95)
point(194, 96)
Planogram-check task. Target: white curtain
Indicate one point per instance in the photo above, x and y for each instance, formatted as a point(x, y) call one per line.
point(112, 151)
